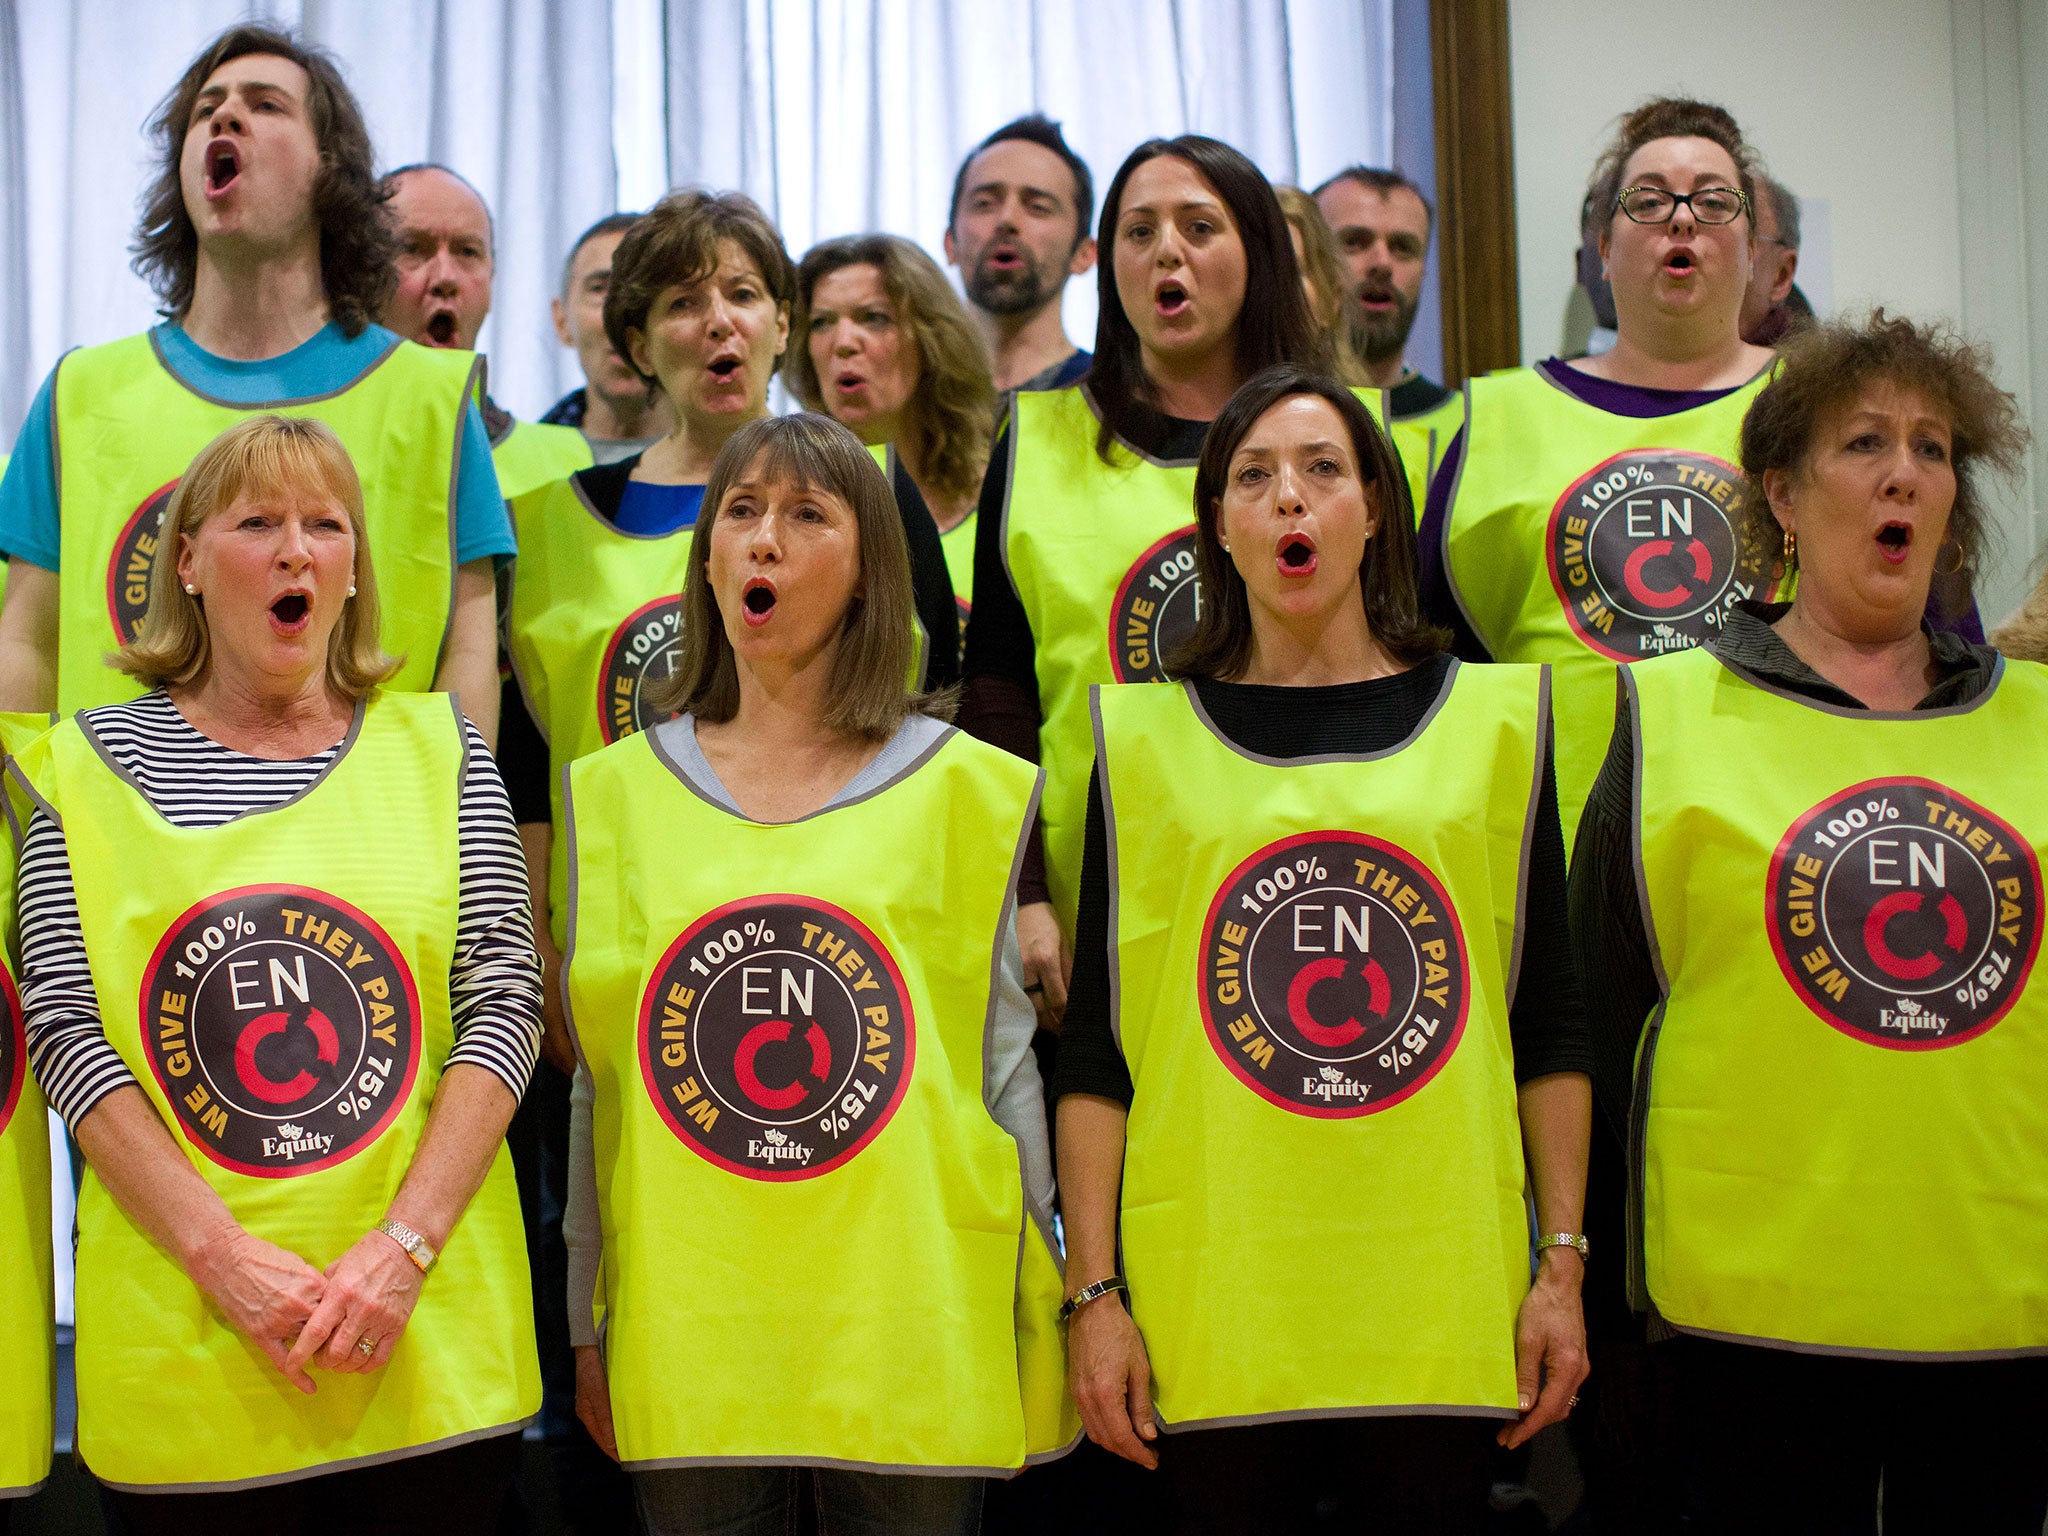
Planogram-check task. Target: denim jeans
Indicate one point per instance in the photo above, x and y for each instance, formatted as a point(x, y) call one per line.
point(761, 1501)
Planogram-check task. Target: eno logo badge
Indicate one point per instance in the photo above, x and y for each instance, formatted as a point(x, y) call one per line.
point(13, 1050)
point(1904, 914)
point(1643, 556)
point(1334, 975)
point(1155, 608)
point(134, 555)
point(283, 1026)
point(776, 1037)
point(642, 650)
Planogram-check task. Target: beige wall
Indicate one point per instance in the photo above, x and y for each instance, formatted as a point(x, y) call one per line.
point(1906, 117)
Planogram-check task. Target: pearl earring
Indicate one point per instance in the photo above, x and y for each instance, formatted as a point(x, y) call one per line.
point(351, 591)
point(194, 591)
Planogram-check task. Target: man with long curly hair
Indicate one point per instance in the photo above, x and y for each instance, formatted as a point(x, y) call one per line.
point(263, 234)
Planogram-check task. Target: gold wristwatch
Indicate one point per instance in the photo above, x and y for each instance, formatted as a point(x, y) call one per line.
point(417, 1248)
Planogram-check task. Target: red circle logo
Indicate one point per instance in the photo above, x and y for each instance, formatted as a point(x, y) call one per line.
point(1904, 914)
point(643, 649)
point(133, 559)
point(13, 1049)
point(1155, 610)
point(1334, 976)
point(776, 1037)
point(1643, 554)
point(283, 1026)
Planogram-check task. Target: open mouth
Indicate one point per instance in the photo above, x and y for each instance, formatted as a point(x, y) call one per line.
point(1374, 296)
point(1297, 555)
point(847, 383)
point(1005, 257)
point(1895, 539)
point(757, 599)
point(289, 611)
point(1679, 263)
point(1171, 299)
point(441, 327)
point(725, 369)
point(223, 165)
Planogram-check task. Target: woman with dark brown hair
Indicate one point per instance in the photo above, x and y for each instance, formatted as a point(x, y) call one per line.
point(1808, 890)
point(887, 349)
point(1323, 1022)
point(1084, 561)
point(809, 1140)
point(264, 237)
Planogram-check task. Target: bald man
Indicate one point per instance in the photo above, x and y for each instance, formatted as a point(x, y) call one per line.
point(446, 261)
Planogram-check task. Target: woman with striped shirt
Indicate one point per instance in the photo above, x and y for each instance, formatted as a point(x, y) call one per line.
point(279, 979)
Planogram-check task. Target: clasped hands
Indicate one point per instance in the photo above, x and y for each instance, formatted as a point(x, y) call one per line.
point(300, 1316)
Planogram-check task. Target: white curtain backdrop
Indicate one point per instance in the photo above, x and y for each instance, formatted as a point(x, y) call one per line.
point(840, 116)
point(837, 115)
point(516, 95)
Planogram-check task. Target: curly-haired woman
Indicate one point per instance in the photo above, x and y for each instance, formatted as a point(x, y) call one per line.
point(262, 233)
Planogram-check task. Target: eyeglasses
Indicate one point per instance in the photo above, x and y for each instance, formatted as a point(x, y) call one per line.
point(1655, 205)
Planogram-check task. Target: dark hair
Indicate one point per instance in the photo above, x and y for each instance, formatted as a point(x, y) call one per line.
point(1826, 367)
point(358, 248)
point(1384, 182)
point(1668, 117)
point(676, 242)
point(1221, 646)
point(1273, 326)
point(388, 188)
point(870, 693)
point(1784, 209)
point(954, 402)
point(1043, 131)
point(611, 223)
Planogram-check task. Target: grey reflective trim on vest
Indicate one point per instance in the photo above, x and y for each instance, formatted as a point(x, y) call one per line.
point(569, 925)
point(1364, 1411)
point(1035, 1212)
point(1002, 533)
point(13, 771)
point(1450, 521)
point(462, 408)
point(1443, 696)
point(824, 1463)
point(1088, 399)
point(674, 743)
point(1637, 1151)
point(355, 731)
point(1116, 970)
point(24, 1490)
point(157, 351)
point(324, 1469)
point(1040, 1458)
point(1844, 712)
point(1847, 1352)
point(1514, 965)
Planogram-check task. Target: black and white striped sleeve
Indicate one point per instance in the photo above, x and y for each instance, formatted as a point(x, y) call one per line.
point(494, 988)
point(74, 1061)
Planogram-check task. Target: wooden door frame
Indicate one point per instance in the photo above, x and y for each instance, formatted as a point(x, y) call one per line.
point(1475, 184)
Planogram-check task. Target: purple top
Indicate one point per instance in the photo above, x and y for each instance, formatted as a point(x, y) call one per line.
point(1634, 400)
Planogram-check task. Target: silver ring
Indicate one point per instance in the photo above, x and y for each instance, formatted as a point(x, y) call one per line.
point(367, 1346)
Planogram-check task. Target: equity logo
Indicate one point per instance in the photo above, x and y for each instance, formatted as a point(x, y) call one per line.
point(283, 1026)
point(776, 1037)
point(644, 649)
point(1643, 554)
point(1156, 606)
point(133, 559)
point(1334, 975)
point(1905, 914)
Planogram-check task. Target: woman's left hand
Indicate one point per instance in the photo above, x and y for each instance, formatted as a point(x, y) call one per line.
point(371, 1291)
point(1550, 1346)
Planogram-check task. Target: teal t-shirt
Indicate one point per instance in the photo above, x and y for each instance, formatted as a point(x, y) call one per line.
point(325, 362)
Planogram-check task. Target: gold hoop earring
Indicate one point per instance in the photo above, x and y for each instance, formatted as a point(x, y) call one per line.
point(1791, 550)
point(1957, 568)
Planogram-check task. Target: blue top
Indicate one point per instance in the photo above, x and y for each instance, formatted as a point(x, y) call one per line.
point(650, 511)
point(325, 362)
